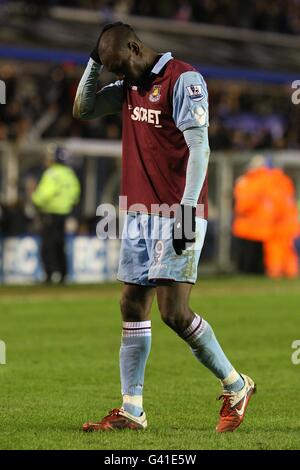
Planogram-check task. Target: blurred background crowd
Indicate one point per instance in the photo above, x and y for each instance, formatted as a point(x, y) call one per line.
point(263, 15)
point(242, 115)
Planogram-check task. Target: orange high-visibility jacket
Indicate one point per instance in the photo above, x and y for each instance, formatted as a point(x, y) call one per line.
point(280, 255)
point(286, 223)
point(254, 210)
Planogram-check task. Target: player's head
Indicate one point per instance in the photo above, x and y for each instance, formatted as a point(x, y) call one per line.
point(122, 52)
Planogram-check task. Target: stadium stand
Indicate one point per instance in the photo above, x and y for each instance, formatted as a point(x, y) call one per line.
point(261, 15)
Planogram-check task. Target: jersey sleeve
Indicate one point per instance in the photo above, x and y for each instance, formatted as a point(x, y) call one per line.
point(90, 104)
point(190, 101)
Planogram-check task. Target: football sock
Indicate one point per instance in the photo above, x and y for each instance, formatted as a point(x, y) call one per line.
point(233, 383)
point(134, 352)
point(206, 348)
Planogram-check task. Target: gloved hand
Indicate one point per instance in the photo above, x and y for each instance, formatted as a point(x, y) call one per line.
point(184, 228)
point(95, 54)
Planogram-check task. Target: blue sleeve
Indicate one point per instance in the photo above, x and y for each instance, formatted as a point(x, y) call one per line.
point(197, 142)
point(190, 101)
point(90, 104)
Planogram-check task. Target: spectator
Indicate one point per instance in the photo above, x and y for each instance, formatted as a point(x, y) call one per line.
point(55, 196)
point(280, 253)
point(265, 221)
point(253, 217)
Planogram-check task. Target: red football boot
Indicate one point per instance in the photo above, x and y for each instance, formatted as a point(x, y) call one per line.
point(234, 406)
point(117, 419)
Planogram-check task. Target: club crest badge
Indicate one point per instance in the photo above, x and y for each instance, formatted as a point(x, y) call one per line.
point(155, 94)
point(195, 92)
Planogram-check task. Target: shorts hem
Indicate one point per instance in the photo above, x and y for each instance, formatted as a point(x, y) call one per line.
point(187, 281)
point(136, 283)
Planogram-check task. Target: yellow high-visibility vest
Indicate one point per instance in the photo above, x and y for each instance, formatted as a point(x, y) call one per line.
point(58, 190)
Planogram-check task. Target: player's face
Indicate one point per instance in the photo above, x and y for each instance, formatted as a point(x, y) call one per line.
point(124, 64)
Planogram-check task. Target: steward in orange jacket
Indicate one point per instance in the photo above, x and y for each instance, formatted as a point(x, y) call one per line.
point(254, 209)
point(266, 211)
point(280, 254)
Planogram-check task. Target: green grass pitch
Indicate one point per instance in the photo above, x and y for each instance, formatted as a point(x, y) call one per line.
point(62, 368)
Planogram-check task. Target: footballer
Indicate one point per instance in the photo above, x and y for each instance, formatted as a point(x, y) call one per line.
point(164, 105)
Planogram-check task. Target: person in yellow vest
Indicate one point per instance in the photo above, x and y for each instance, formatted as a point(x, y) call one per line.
point(55, 196)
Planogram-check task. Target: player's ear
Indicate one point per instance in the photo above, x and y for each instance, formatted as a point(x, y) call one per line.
point(134, 47)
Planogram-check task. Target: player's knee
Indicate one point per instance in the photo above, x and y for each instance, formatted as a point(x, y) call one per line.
point(175, 316)
point(170, 320)
point(131, 309)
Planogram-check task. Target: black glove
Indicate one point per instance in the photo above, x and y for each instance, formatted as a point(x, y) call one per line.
point(184, 228)
point(95, 54)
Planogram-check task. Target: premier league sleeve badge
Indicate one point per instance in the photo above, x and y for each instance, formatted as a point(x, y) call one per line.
point(195, 92)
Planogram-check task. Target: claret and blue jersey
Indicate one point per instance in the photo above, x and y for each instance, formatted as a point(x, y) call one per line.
point(155, 154)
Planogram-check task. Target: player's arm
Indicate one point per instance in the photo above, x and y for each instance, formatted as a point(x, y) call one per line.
point(90, 103)
point(197, 141)
point(190, 105)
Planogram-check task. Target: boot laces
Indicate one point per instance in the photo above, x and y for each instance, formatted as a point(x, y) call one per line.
point(114, 412)
point(227, 403)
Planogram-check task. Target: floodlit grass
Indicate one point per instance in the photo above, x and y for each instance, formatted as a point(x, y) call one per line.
point(62, 368)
